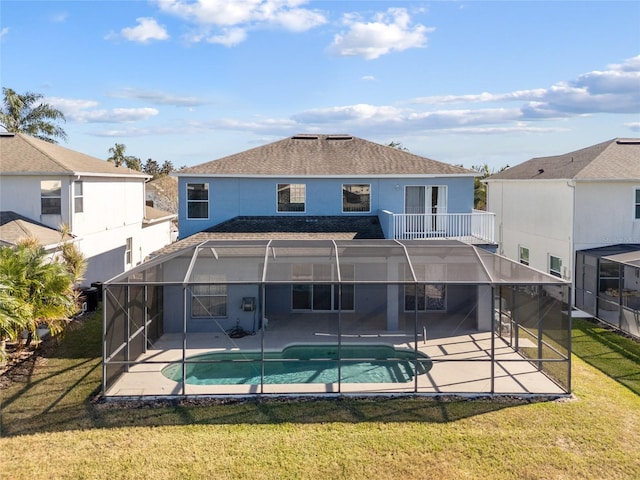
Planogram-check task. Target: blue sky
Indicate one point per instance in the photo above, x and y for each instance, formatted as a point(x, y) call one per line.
point(464, 82)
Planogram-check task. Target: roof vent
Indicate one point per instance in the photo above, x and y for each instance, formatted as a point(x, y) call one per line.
point(628, 141)
point(302, 136)
point(339, 137)
point(540, 170)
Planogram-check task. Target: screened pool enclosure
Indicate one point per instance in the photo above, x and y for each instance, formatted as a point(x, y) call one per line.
point(316, 317)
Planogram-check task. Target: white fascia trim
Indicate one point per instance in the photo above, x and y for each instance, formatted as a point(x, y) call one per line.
point(68, 173)
point(412, 175)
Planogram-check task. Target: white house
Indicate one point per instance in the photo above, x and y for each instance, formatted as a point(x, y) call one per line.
point(103, 205)
point(549, 208)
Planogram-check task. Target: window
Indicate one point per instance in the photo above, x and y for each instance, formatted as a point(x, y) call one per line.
point(209, 301)
point(78, 203)
point(637, 204)
point(127, 251)
point(197, 200)
point(291, 197)
point(524, 255)
point(320, 296)
point(429, 297)
point(51, 197)
point(555, 266)
point(356, 198)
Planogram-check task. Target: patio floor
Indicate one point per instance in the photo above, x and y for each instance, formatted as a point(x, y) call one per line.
point(456, 355)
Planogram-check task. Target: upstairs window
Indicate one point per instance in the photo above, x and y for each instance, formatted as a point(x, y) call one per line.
point(51, 197)
point(291, 197)
point(356, 197)
point(555, 266)
point(197, 200)
point(637, 204)
point(524, 255)
point(78, 202)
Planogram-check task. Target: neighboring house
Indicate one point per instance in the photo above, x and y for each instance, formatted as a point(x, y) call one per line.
point(14, 228)
point(162, 193)
point(549, 208)
point(321, 177)
point(103, 205)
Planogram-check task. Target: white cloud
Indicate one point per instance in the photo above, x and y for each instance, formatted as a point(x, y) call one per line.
point(85, 111)
point(613, 90)
point(116, 115)
point(368, 78)
point(158, 98)
point(227, 23)
point(633, 126)
point(389, 32)
point(146, 30)
point(229, 37)
point(4, 32)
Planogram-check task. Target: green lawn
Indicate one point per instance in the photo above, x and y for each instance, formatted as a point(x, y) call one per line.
point(51, 428)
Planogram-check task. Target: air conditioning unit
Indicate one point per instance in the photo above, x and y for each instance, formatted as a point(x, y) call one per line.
point(248, 304)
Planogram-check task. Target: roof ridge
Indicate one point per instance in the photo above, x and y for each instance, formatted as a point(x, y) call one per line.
point(28, 139)
point(588, 164)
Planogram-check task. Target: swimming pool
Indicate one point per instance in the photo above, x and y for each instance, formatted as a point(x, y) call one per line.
point(316, 363)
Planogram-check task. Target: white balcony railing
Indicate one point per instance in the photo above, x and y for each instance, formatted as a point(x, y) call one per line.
point(475, 227)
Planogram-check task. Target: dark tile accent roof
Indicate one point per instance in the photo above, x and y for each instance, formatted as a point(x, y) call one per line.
point(611, 160)
point(284, 228)
point(22, 154)
point(324, 155)
point(15, 227)
point(351, 227)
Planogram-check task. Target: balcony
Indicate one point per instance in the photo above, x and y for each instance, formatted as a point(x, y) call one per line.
point(475, 227)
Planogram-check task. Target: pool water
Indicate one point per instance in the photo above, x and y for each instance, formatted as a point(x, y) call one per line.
point(304, 364)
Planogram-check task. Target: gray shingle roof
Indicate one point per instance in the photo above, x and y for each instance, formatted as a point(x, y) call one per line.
point(15, 227)
point(21, 154)
point(611, 160)
point(324, 155)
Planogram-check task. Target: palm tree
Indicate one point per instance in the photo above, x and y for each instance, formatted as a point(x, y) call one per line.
point(28, 114)
point(117, 154)
point(118, 158)
point(41, 291)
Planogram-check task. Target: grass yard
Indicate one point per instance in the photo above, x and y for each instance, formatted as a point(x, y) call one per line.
point(51, 429)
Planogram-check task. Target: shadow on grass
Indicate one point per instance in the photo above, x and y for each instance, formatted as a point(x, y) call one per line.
point(616, 356)
point(60, 393)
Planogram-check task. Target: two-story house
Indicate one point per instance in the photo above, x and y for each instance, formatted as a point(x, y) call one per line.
point(320, 183)
point(46, 185)
point(331, 264)
point(550, 209)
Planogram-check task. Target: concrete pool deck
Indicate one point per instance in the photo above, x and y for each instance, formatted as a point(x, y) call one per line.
point(461, 366)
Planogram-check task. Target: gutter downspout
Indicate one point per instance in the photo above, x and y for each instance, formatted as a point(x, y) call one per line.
point(572, 244)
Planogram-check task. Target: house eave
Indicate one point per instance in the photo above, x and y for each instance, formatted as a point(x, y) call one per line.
point(302, 175)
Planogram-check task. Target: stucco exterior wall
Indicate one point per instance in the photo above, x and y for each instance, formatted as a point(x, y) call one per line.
point(605, 214)
point(232, 197)
point(113, 210)
point(537, 215)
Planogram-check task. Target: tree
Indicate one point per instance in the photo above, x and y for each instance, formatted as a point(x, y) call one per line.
point(479, 187)
point(166, 168)
point(151, 167)
point(28, 114)
point(117, 154)
point(398, 145)
point(39, 291)
point(118, 158)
